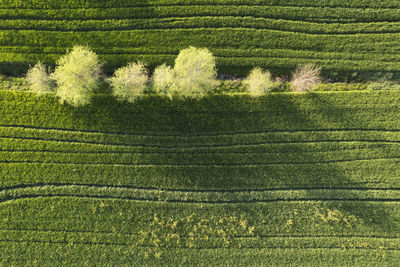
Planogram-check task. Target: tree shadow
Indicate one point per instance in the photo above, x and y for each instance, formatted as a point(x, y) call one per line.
point(281, 114)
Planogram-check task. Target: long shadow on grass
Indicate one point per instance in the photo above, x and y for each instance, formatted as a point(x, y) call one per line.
point(282, 115)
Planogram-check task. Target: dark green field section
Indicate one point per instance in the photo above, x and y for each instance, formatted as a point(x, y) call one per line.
point(284, 179)
point(343, 37)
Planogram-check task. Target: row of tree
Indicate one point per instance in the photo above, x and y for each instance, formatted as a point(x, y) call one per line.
point(78, 74)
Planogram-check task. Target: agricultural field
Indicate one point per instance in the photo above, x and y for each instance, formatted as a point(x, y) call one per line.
point(347, 38)
point(283, 179)
point(173, 166)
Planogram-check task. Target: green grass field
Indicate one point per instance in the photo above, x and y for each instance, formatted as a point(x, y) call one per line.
point(347, 38)
point(284, 179)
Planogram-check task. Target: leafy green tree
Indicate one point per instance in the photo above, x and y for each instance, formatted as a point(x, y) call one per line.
point(258, 82)
point(39, 80)
point(163, 80)
point(77, 75)
point(195, 72)
point(129, 82)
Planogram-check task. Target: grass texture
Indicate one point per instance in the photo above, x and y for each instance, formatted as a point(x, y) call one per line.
point(283, 179)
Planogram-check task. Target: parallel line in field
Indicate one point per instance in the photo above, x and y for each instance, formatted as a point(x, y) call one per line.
point(213, 16)
point(10, 199)
point(181, 152)
point(388, 62)
point(189, 4)
point(320, 60)
point(192, 248)
point(208, 15)
point(199, 135)
point(169, 27)
point(172, 51)
point(206, 28)
point(200, 146)
point(397, 238)
point(266, 16)
point(318, 55)
point(157, 190)
point(188, 196)
point(195, 165)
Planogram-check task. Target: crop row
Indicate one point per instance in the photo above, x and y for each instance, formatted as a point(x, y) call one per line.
point(18, 63)
point(192, 159)
point(45, 252)
point(202, 142)
point(199, 22)
point(206, 197)
point(220, 53)
point(163, 219)
point(379, 173)
point(112, 239)
point(217, 38)
point(267, 39)
point(21, 144)
point(113, 3)
point(213, 114)
point(316, 14)
point(202, 22)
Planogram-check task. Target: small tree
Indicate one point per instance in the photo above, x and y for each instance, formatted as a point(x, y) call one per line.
point(305, 78)
point(129, 82)
point(195, 72)
point(77, 75)
point(258, 82)
point(38, 80)
point(163, 80)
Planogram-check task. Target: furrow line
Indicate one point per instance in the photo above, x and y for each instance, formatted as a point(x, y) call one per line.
point(189, 4)
point(201, 146)
point(180, 152)
point(211, 202)
point(198, 135)
point(197, 236)
point(206, 28)
point(190, 248)
point(157, 190)
point(168, 27)
point(195, 165)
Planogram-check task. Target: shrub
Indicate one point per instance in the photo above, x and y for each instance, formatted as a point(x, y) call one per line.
point(39, 80)
point(195, 72)
point(305, 78)
point(77, 75)
point(258, 82)
point(163, 80)
point(129, 82)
